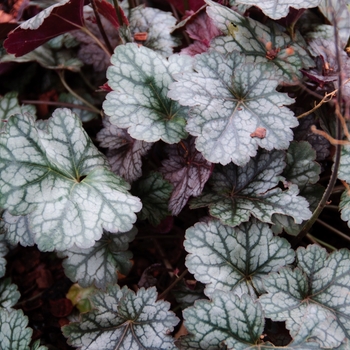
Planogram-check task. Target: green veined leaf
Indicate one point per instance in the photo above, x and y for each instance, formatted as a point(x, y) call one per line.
point(9, 106)
point(3, 252)
point(343, 174)
point(260, 43)
point(14, 333)
point(158, 25)
point(99, 264)
point(9, 294)
point(60, 179)
point(314, 295)
point(230, 101)
point(140, 78)
point(234, 259)
point(235, 193)
point(154, 193)
point(277, 9)
point(17, 229)
point(124, 320)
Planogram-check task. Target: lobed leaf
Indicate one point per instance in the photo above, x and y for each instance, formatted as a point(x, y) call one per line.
point(62, 182)
point(314, 295)
point(9, 106)
point(187, 171)
point(235, 193)
point(124, 320)
point(277, 9)
point(140, 79)
point(234, 259)
point(9, 294)
point(154, 193)
point(230, 100)
point(124, 153)
point(226, 319)
point(14, 333)
point(260, 43)
point(99, 264)
point(158, 25)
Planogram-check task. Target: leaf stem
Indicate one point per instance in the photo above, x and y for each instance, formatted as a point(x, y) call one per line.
point(59, 104)
point(319, 242)
point(305, 230)
point(64, 83)
point(100, 27)
point(172, 285)
point(333, 229)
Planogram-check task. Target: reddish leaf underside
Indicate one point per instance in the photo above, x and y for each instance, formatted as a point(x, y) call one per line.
point(187, 5)
point(107, 10)
point(61, 20)
point(187, 170)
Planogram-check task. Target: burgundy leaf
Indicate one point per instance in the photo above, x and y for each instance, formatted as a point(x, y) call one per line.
point(187, 170)
point(189, 5)
point(201, 30)
point(62, 18)
point(124, 153)
point(108, 11)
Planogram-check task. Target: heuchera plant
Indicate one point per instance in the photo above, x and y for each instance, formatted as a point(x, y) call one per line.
point(218, 124)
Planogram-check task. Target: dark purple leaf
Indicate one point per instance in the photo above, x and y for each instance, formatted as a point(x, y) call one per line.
point(187, 170)
point(124, 153)
point(189, 5)
point(49, 23)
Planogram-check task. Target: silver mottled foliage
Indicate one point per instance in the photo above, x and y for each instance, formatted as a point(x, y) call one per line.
point(337, 13)
point(238, 322)
point(9, 106)
point(124, 320)
point(233, 259)
point(9, 294)
point(344, 174)
point(230, 100)
point(260, 43)
point(3, 252)
point(100, 264)
point(277, 9)
point(158, 25)
point(58, 177)
point(140, 79)
point(14, 334)
point(234, 194)
point(315, 295)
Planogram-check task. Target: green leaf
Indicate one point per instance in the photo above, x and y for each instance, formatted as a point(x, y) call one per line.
point(124, 320)
point(234, 259)
point(314, 295)
point(62, 182)
point(9, 294)
point(260, 43)
point(9, 106)
point(37, 346)
point(230, 100)
point(235, 193)
point(140, 78)
point(154, 193)
point(277, 9)
point(158, 25)
point(99, 264)
point(14, 334)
